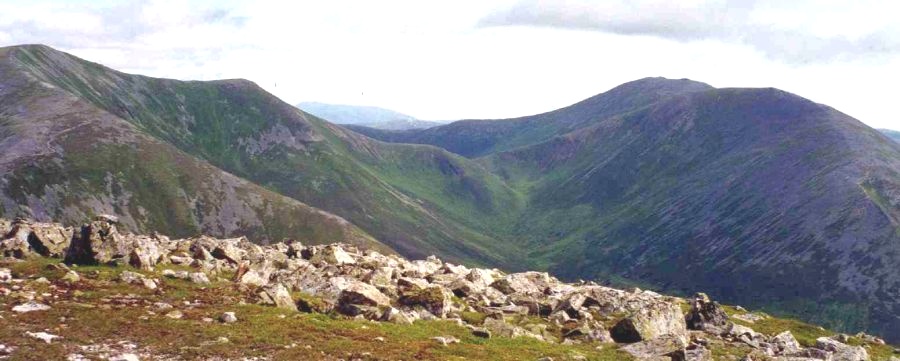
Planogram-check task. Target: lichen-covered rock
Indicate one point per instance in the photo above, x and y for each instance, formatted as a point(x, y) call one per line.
point(279, 296)
point(842, 351)
point(529, 283)
point(25, 239)
point(145, 253)
point(333, 254)
point(229, 252)
point(651, 321)
point(360, 294)
point(669, 346)
point(785, 343)
point(434, 298)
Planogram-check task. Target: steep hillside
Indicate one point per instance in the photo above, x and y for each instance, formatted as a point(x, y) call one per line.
point(417, 199)
point(759, 196)
point(65, 159)
point(373, 117)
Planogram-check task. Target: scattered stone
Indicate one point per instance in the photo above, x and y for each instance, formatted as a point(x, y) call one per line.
point(705, 314)
point(279, 296)
point(98, 242)
point(785, 343)
point(125, 357)
point(750, 317)
point(182, 275)
point(445, 340)
point(228, 317)
point(43, 336)
point(5, 275)
point(649, 322)
point(333, 254)
point(669, 345)
point(360, 294)
point(199, 278)
point(71, 277)
point(131, 277)
point(30, 306)
point(842, 351)
point(481, 332)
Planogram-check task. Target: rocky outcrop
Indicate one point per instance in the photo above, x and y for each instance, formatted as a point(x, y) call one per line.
point(651, 321)
point(98, 242)
point(842, 351)
point(22, 238)
point(706, 314)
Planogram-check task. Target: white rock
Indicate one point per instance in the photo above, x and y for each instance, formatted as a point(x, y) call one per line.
point(71, 277)
point(228, 317)
point(30, 306)
point(43, 336)
point(5, 275)
point(125, 357)
point(445, 340)
point(149, 283)
point(199, 277)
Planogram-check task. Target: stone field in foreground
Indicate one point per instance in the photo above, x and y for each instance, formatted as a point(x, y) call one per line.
point(92, 292)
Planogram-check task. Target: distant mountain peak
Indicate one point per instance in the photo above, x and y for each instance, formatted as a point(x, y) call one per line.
point(364, 115)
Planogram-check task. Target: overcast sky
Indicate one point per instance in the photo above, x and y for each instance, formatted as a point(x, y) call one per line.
point(486, 59)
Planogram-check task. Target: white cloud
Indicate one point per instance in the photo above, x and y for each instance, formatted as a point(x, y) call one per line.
point(434, 61)
point(782, 30)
